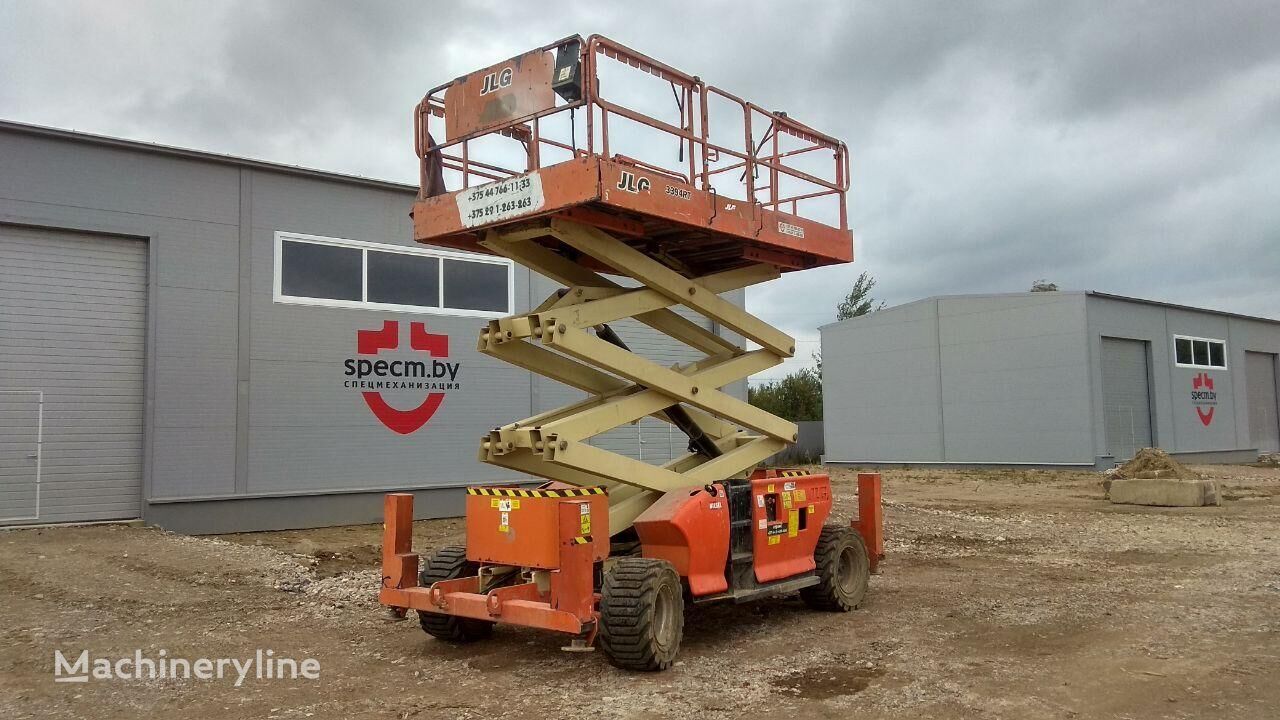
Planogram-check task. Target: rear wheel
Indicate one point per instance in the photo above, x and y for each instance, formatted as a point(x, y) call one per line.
point(449, 563)
point(641, 614)
point(843, 570)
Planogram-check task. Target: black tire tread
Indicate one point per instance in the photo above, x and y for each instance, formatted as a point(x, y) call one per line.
point(628, 597)
point(448, 563)
point(826, 595)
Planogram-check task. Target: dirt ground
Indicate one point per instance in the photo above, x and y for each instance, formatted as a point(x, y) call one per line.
point(1013, 594)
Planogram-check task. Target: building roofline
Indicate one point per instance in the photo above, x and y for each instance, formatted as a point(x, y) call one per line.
point(200, 155)
point(1088, 293)
point(957, 296)
point(1176, 306)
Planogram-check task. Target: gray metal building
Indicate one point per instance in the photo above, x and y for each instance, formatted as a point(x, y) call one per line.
point(1056, 378)
point(217, 344)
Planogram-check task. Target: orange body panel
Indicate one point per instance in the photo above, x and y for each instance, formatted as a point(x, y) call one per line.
point(527, 531)
point(628, 187)
point(568, 605)
point(870, 522)
point(788, 513)
point(691, 533)
point(644, 199)
point(500, 93)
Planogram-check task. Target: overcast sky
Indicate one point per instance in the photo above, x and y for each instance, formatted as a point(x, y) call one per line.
point(1131, 148)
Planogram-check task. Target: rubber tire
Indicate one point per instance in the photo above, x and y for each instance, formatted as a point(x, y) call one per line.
point(636, 595)
point(449, 563)
point(840, 589)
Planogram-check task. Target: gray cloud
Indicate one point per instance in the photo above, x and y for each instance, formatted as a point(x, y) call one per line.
point(1126, 147)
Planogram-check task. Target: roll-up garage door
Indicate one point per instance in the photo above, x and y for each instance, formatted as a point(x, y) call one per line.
point(1264, 426)
point(72, 365)
point(1126, 396)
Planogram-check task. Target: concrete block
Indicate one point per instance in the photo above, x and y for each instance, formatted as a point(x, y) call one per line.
point(1164, 492)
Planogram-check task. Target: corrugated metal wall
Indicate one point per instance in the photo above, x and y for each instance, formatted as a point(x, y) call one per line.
point(72, 366)
point(981, 379)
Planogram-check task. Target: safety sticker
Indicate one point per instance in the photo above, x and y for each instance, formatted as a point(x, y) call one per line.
point(789, 485)
point(800, 495)
point(584, 518)
point(770, 488)
point(789, 229)
point(813, 509)
point(793, 523)
point(778, 529)
point(775, 539)
point(764, 524)
point(504, 522)
point(505, 505)
point(759, 501)
point(502, 200)
point(786, 499)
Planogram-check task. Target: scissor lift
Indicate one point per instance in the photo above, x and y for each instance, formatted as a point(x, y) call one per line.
point(612, 545)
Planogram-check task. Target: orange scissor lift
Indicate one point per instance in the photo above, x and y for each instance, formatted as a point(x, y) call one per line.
point(610, 548)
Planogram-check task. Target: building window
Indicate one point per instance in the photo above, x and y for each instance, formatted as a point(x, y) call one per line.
point(401, 279)
point(334, 272)
point(310, 270)
point(1199, 352)
point(474, 286)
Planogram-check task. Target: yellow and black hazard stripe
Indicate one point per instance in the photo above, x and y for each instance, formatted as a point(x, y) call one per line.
point(793, 473)
point(582, 540)
point(517, 492)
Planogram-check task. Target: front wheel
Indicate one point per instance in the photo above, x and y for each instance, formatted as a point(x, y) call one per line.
point(450, 563)
point(641, 614)
point(843, 569)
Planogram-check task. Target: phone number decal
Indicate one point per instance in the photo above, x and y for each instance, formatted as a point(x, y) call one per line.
point(502, 200)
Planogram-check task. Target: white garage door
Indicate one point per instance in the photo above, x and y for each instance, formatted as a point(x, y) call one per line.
point(72, 339)
point(1126, 396)
point(1264, 426)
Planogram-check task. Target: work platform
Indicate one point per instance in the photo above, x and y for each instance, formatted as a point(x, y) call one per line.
point(747, 186)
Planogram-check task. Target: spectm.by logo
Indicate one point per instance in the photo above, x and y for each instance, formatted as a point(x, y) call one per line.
point(403, 376)
point(1204, 397)
point(262, 665)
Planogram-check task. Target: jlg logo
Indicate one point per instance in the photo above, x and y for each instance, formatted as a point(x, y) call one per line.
point(495, 81)
point(632, 183)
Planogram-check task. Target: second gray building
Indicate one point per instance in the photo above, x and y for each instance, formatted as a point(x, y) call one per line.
point(1057, 378)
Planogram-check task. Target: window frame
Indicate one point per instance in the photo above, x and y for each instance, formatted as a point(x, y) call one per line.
point(1192, 339)
point(365, 246)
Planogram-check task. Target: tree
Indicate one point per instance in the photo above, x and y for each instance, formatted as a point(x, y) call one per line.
point(856, 304)
point(859, 301)
point(1043, 285)
point(796, 397)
